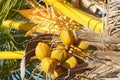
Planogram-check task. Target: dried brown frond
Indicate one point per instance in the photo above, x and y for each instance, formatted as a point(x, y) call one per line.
point(112, 21)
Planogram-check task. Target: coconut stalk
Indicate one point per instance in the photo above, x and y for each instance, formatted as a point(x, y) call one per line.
point(11, 54)
point(18, 25)
point(26, 26)
point(77, 15)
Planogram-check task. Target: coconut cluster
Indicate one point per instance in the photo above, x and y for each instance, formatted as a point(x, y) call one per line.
point(58, 59)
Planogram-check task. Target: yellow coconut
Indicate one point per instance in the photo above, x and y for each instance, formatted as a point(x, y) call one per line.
point(67, 37)
point(42, 50)
point(83, 45)
point(59, 70)
point(59, 53)
point(48, 64)
point(71, 62)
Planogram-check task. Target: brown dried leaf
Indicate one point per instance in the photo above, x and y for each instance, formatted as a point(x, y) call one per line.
point(30, 14)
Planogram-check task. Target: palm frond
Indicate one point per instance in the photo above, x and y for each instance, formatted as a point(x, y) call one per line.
point(113, 18)
point(10, 39)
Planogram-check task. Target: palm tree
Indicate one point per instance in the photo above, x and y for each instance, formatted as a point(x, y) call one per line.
point(59, 15)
